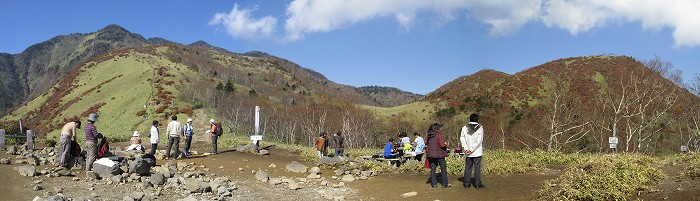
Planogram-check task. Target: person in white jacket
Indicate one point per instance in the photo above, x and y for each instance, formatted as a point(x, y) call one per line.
point(471, 137)
point(154, 137)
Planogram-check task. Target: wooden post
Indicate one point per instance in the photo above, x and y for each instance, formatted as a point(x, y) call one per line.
point(2, 139)
point(30, 140)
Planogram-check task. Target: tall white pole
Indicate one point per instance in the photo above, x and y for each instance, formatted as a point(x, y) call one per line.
point(257, 120)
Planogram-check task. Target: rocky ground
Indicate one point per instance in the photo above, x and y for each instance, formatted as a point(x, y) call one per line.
point(188, 179)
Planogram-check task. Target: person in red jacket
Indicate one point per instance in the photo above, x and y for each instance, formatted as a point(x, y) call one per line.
point(436, 152)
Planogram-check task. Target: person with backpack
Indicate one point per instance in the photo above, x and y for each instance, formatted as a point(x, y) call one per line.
point(437, 151)
point(174, 132)
point(188, 130)
point(154, 137)
point(91, 136)
point(216, 131)
point(68, 136)
point(471, 137)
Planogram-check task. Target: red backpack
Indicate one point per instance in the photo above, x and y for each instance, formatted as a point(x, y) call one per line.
point(103, 148)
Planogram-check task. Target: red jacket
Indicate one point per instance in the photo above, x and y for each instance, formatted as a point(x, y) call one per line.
point(437, 148)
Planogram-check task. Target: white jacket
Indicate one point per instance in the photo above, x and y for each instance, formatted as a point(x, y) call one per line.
point(154, 135)
point(472, 140)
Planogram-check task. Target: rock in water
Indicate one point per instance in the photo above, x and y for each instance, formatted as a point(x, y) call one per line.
point(261, 176)
point(296, 167)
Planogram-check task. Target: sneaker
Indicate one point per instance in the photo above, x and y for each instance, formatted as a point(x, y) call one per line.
point(467, 185)
point(479, 186)
point(448, 185)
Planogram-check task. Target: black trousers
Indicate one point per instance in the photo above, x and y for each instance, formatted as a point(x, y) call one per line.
point(188, 141)
point(214, 138)
point(176, 142)
point(434, 162)
point(153, 148)
point(474, 162)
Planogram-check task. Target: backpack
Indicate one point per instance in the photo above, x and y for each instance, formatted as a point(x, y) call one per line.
point(103, 148)
point(218, 130)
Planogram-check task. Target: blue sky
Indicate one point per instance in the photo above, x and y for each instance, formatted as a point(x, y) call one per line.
point(414, 45)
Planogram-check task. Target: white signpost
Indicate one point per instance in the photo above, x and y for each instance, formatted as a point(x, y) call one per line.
point(256, 138)
point(613, 143)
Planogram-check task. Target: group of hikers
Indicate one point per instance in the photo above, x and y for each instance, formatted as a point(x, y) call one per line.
point(435, 148)
point(71, 149)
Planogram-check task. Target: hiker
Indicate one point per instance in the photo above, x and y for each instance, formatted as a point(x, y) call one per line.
point(135, 142)
point(389, 150)
point(321, 144)
point(215, 131)
point(339, 140)
point(437, 151)
point(174, 132)
point(419, 145)
point(91, 136)
point(188, 130)
point(154, 137)
point(68, 136)
point(471, 137)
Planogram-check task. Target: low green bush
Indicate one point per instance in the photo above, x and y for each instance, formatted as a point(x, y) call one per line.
point(605, 177)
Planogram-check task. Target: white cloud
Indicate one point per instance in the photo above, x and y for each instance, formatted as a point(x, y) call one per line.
point(310, 16)
point(240, 24)
point(578, 16)
point(504, 17)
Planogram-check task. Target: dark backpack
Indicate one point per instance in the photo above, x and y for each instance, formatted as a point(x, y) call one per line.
point(103, 148)
point(218, 130)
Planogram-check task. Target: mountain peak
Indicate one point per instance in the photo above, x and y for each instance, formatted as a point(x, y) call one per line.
point(257, 54)
point(200, 43)
point(113, 28)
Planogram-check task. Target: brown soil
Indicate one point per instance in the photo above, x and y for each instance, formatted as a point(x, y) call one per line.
point(382, 187)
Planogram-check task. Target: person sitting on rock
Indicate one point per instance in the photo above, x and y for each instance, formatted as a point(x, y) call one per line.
point(135, 143)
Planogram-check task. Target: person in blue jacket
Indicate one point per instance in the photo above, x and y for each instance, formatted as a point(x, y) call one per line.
point(389, 150)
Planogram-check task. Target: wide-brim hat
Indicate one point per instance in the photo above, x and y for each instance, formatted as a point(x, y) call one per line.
point(211, 121)
point(136, 134)
point(93, 117)
point(189, 120)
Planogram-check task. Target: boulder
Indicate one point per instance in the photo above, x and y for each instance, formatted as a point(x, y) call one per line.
point(366, 173)
point(296, 167)
point(272, 166)
point(315, 170)
point(249, 148)
point(137, 195)
point(58, 197)
point(4, 161)
point(63, 172)
point(106, 168)
point(294, 186)
point(188, 198)
point(195, 186)
point(165, 171)
point(261, 176)
point(348, 178)
point(173, 181)
point(224, 192)
point(331, 160)
point(128, 198)
point(313, 176)
point(264, 152)
point(339, 172)
point(117, 179)
point(26, 170)
point(356, 172)
point(11, 150)
point(275, 181)
point(409, 194)
point(157, 179)
point(140, 166)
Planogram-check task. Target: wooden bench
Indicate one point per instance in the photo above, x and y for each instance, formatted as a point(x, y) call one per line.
point(29, 136)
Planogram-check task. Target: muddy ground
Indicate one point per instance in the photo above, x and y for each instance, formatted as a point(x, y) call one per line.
point(382, 187)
